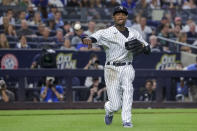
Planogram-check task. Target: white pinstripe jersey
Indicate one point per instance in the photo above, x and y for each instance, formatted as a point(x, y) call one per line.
point(113, 42)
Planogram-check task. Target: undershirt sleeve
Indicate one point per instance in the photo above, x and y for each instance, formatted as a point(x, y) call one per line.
point(93, 39)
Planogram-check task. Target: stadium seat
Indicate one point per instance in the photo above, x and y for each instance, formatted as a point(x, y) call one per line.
point(12, 39)
point(12, 44)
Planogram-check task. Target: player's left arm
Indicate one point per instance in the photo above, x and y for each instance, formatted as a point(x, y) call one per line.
point(145, 45)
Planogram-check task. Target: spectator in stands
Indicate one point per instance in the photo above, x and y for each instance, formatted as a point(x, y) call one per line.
point(68, 30)
point(191, 66)
point(36, 19)
point(143, 29)
point(25, 3)
point(22, 44)
point(8, 18)
point(142, 4)
point(154, 45)
point(186, 28)
point(176, 31)
point(9, 2)
point(40, 3)
point(178, 21)
point(85, 4)
point(178, 66)
point(3, 41)
point(163, 21)
point(46, 34)
point(129, 4)
point(73, 3)
point(170, 3)
point(169, 19)
point(4, 22)
point(166, 34)
point(93, 64)
point(195, 44)
point(59, 37)
point(136, 19)
point(58, 20)
point(51, 24)
point(96, 92)
point(192, 30)
point(51, 92)
point(155, 4)
point(111, 4)
point(76, 40)
point(57, 3)
point(53, 10)
point(189, 4)
point(10, 31)
point(25, 30)
point(91, 28)
point(5, 94)
point(94, 13)
point(98, 4)
point(181, 90)
point(67, 45)
point(41, 28)
point(192, 83)
point(22, 16)
point(147, 93)
point(183, 38)
point(166, 48)
point(30, 12)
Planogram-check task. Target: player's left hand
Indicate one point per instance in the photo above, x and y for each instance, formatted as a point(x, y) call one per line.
point(137, 47)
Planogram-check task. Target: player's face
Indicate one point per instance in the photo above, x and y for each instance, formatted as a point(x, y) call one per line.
point(120, 18)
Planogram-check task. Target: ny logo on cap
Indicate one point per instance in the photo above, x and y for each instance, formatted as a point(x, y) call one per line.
point(121, 7)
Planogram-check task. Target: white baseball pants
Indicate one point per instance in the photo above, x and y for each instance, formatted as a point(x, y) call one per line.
point(119, 90)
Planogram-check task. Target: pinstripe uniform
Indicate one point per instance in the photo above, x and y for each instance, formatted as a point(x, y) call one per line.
point(118, 78)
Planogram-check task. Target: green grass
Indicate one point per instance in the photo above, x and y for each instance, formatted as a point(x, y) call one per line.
point(92, 120)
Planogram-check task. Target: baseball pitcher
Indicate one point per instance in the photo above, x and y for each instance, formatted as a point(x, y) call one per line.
point(120, 44)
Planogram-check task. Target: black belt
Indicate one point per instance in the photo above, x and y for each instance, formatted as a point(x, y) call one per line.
point(119, 63)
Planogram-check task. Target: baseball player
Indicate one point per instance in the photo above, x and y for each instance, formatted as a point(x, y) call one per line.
point(120, 44)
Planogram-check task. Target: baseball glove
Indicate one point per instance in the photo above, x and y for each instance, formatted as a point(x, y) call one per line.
point(137, 47)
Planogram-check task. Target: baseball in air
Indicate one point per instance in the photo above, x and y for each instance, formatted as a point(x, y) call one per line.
point(77, 26)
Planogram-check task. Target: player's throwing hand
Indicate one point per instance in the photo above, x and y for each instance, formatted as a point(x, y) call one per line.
point(87, 41)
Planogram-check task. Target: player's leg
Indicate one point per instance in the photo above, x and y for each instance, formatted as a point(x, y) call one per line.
point(113, 90)
point(128, 75)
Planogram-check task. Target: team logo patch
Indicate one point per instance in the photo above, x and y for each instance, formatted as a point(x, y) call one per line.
point(9, 61)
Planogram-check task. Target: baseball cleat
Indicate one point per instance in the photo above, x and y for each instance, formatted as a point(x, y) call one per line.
point(108, 119)
point(127, 125)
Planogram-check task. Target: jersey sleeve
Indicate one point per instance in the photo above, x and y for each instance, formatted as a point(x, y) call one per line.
point(138, 36)
point(97, 35)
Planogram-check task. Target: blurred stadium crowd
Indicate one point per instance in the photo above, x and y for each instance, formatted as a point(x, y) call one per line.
point(37, 23)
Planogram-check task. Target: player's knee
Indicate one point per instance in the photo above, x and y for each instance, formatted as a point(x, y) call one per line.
point(116, 107)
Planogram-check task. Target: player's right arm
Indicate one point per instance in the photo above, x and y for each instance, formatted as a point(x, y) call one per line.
point(94, 38)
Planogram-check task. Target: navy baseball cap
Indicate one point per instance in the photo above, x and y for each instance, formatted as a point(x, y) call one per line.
point(118, 9)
